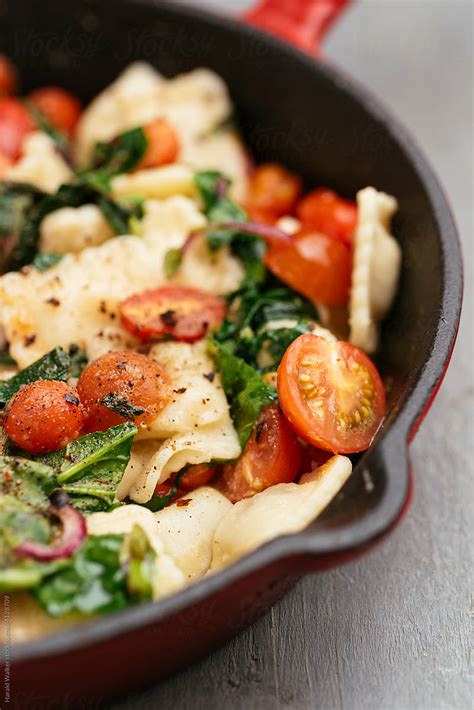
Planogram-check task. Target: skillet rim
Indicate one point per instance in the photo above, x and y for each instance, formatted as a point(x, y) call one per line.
point(392, 443)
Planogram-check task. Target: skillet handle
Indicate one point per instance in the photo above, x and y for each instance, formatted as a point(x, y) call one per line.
point(372, 503)
point(302, 23)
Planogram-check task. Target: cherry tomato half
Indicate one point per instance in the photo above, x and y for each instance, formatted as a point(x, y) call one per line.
point(15, 123)
point(180, 312)
point(272, 455)
point(163, 144)
point(60, 108)
point(330, 214)
point(273, 191)
point(313, 264)
point(44, 416)
point(135, 377)
point(8, 77)
point(331, 393)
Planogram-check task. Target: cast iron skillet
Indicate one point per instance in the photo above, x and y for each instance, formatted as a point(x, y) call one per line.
point(311, 117)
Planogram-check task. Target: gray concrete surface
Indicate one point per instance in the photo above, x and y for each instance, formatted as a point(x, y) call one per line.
point(390, 632)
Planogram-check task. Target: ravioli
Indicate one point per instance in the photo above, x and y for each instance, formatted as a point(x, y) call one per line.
point(40, 164)
point(376, 270)
point(196, 104)
point(169, 577)
point(195, 427)
point(77, 300)
point(278, 510)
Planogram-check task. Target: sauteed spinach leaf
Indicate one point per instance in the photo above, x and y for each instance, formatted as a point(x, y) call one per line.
point(45, 260)
point(107, 573)
point(52, 366)
point(245, 389)
point(24, 489)
point(90, 468)
point(81, 192)
point(119, 155)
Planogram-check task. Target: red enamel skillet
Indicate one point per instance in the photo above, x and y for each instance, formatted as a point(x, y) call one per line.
point(308, 115)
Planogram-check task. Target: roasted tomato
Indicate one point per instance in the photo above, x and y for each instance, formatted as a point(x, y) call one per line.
point(331, 393)
point(8, 78)
point(15, 123)
point(134, 377)
point(328, 213)
point(272, 455)
point(180, 312)
point(44, 416)
point(196, 476)
point(163, 144)
point(314, 264)
point(273, 192)
point(60, 108)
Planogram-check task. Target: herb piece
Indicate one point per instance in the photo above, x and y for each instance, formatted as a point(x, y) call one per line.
point(121, 406)
point(139, 558)
point(247, 392)
point(45, 260)
point(121, 155)
point(120, 217)
point(218, 207)
point(77, 360)
point(6, 359)
point(59, 138)
point(92, 581)
point(15, 200)
point(52, 366)
point(172, 262)
point(207, 183)
point(275, 342)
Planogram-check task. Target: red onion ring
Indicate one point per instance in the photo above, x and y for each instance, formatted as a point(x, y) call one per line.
point(74, 532)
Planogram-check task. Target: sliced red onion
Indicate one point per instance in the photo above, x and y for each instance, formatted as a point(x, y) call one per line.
point(74, 532)
point(266, 231)
point(191, 238)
